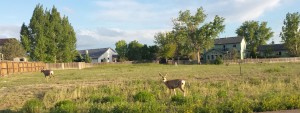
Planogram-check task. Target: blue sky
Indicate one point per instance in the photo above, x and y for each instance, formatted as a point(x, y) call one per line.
point(101, 23)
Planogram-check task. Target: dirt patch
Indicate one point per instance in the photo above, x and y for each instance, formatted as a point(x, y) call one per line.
point(15, 97)
point(283, 111)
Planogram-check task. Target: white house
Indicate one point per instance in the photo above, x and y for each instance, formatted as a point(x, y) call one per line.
point(100, 55)
point(224, 47)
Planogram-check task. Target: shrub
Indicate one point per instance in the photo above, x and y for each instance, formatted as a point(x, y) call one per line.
point(94, 109)
point(95, 99)
point(222, 94)
point(272, 70)
point(33, 106)
point(124, 109)
point(291, 101)
point(111, 99)
point(66, 106)
point(218, 61)
point(144, 97)
point(268, 102)
point(178, 99)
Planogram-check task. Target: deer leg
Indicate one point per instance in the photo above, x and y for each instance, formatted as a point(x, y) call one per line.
point(174, 91)
point(182, 91)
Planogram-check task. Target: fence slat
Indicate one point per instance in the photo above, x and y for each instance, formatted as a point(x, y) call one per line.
point(7, 68)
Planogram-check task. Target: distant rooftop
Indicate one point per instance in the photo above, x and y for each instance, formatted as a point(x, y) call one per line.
point(94, 53)
point(228, 40)
point(273, 47)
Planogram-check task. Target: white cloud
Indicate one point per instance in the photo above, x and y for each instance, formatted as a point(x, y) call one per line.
point(102, 37)
point(67, 10)
point(10, 31)
point(241, 10)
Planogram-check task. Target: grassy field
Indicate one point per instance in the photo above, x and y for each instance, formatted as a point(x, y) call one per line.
point(139, 88)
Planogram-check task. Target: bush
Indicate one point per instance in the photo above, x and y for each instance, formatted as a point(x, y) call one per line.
point(268, 102)
point(33, 106)
point(111, 99)
point(98, 110)
point(178, 99)
point(66, 106)
point(124, 109)
point(218, 61)
point(144, 97)
point(272, 70)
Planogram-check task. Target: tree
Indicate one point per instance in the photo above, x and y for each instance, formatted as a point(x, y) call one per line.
point(145, 52)
point(199, 38)
point(13, 48)
point(49, 37)
point(134, 50)
point(255, 34)
point(165, 44)
point(87, 58)
point(79, 58)
point(25, 38)
point(153, 52)
point(291, 33)
point(121, 48)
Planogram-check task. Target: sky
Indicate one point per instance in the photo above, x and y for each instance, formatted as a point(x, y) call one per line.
point(101, 23)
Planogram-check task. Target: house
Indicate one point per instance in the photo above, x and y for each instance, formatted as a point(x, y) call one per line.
point(100, 55)
point(272, 51)
point(227, 48)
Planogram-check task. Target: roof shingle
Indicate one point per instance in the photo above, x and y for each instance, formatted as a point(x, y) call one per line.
point(228, 40)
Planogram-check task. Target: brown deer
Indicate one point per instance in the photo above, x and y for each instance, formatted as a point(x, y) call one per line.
point(173, 84)
point(48, 73)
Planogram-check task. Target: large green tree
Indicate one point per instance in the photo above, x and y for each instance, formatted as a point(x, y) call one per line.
point(255, 34)
point(121, 48)
point(166, 45)
point(134, 50)
point(199, 37)
point(48, 37)
point(291, 33)
point(12, 48)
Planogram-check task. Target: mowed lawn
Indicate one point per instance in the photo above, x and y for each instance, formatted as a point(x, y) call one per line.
point(210, 88)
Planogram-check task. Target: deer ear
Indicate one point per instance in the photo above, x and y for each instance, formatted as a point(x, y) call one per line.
point(160, 74)
point(166, 75)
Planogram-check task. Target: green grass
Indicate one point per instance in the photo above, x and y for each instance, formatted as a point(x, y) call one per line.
point(115, 88)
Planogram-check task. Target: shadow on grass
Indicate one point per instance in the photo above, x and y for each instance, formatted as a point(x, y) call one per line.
point(8, 111)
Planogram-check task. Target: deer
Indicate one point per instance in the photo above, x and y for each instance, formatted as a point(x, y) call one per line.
point(173, 84)
point(48, 73)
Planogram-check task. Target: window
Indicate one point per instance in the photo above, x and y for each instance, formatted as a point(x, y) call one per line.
point(279, 53)
point(234, 45)
point(221, 56)
point(212, 57)
point(208, 57)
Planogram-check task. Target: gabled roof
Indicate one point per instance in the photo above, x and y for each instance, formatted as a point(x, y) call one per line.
point(228, 40)
point(95, 53)
point(273, 47)
point(4, 40)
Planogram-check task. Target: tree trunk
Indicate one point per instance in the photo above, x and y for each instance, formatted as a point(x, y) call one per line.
point(198, 57)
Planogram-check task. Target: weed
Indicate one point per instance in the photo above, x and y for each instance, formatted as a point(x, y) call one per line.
point(179, 99)
point(65, 106)
point(33, 106)
point(111, 99)
point(272, 70)
point(144, 97)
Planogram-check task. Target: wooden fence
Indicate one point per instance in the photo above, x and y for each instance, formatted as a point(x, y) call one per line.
point(72, 65)
point(7, 68)
point(78, 65)
point(264, 60)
